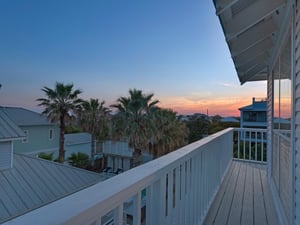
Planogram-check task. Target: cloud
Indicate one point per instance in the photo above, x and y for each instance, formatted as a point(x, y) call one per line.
point(231, 85)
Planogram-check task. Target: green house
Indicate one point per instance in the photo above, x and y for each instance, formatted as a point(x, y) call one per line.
point(41, 134)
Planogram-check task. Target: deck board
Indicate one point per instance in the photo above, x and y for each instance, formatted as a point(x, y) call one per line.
point(247, 215)
point(219, 197)
point(244, 198)
point(237, 203)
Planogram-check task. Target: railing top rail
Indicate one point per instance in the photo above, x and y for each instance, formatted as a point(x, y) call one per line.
point(250, 129)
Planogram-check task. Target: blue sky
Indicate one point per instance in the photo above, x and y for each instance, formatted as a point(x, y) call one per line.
point(172, 48)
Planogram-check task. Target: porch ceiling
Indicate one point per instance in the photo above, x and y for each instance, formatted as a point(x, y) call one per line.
point(252, 29)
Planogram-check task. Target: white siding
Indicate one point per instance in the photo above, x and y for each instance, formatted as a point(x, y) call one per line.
point(5, 155)
point(297, 111)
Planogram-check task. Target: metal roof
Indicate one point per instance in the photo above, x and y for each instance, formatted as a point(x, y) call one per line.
point(255, 106)
point(34, 182)
point(8, 129)
point(25, 117)
point(253, 30)
point(78, 138)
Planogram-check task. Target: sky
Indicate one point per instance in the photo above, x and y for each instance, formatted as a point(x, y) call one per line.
point(174, 49)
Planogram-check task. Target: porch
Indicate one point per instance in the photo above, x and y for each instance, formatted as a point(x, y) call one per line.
point(197, 184)
point(244, 197)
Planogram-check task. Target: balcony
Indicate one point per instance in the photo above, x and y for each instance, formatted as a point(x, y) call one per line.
point(220, 179)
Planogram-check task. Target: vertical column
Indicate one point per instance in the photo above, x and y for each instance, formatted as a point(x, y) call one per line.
point(118, 215)
point(270, 115)
point(296, 111)
point(137, 209)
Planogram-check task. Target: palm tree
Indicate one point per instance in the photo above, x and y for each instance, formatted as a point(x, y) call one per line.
point(93, 118)
point(171, 133)
point(59, 105)
point(133, 121)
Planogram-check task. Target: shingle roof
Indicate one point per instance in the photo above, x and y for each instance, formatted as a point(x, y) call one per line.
point(34, 182)
point(25, 117)
point(8, 129)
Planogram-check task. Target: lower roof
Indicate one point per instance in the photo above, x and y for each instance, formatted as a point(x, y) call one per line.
point(33, 182)
point(8, 129)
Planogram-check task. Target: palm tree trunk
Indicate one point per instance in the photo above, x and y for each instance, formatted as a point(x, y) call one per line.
point(61, 157)
point(92, 149)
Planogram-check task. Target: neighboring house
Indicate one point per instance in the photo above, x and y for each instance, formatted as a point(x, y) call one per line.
point(77, 142)
point(40, 134)
point(27, 183)
point(254, 115)
point(117, 155)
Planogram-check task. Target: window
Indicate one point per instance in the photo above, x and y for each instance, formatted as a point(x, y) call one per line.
point(283, 92)
point(26, 138)
point(51, 134)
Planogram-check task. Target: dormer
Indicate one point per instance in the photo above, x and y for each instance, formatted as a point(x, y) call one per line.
point(9, 132)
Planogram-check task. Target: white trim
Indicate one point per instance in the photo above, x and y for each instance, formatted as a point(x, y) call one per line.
point(11, 139)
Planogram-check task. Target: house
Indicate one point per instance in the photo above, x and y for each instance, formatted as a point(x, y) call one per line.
point(28, 183)
point(40, 134)
point(77, 142)
point(117, 155)
point(202, 183)
point(254, 115)
point(263, 38)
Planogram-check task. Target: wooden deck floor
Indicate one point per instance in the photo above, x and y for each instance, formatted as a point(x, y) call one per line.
point(244, 198)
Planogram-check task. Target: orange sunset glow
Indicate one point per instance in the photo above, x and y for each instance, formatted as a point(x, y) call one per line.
point(217, 106)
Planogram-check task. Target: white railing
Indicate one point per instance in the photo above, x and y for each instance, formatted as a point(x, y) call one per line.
point(176, 189)
point(250, 144)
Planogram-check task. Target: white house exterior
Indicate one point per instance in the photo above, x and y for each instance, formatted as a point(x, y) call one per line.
point(263, 38)
point(118, 155)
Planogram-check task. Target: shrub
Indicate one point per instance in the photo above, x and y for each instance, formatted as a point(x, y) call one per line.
point(47, 156)
point(79, 159)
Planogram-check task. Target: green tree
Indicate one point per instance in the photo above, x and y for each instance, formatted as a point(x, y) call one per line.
point(133, 121)
point(198, 127)
point(93, 118)
point(60, 103)
point(170, 133)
